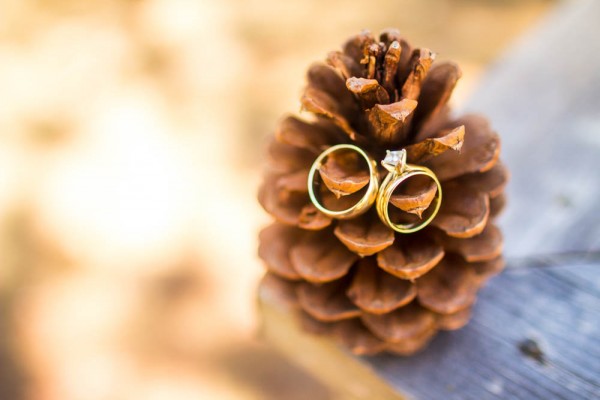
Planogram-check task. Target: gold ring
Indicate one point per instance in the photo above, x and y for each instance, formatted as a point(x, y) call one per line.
point(395, 163)
point(364, 203)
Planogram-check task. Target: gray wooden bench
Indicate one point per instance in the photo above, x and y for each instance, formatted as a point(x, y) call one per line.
point(535, 332)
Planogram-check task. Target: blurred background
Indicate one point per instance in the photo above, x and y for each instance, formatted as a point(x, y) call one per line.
point(131, 135)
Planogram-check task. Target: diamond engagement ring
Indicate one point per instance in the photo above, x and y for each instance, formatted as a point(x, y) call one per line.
point(400, 171)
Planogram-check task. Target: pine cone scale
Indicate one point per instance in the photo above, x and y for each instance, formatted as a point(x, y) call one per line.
point(463, 213)
point(378, 292)
point(436, 91)
point(406, 323)
point(410, 258)
point(365, 235)
point(325, 303)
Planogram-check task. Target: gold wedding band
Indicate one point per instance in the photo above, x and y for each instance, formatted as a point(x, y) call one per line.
point(363, 204)
point(399, 171)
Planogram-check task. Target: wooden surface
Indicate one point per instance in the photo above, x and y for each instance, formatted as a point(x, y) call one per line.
point(557, 308)
point(543, 97)
point(535, 333)
point(347, 377)
point(553, 309)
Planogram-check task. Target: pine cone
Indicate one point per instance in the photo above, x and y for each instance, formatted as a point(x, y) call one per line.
point(357, 280)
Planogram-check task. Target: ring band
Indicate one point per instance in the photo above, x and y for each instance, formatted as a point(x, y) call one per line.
point(364, 203)
point(400, 171)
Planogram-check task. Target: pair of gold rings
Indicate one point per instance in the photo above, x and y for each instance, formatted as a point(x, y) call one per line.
point(399, 171)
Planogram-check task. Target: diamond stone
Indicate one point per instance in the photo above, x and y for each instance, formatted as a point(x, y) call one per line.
point(394, 159)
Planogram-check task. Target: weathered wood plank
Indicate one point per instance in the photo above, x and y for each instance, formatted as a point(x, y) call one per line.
point(347, 377)
point(483, 360)
point(556, 307)
point(543, 97)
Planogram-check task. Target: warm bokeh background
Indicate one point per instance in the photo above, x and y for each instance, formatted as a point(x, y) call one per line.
point(130, 149)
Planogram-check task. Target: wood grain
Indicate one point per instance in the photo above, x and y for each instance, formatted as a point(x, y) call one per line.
point(483, 360)
point(543, 97)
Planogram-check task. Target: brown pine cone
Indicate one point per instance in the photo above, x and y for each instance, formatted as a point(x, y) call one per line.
point(357, 280)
